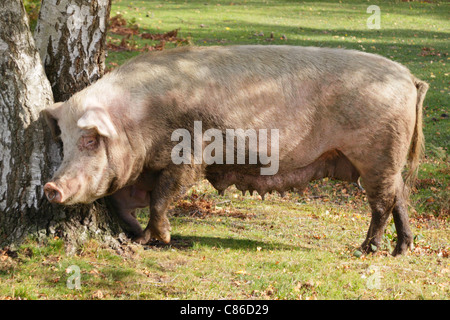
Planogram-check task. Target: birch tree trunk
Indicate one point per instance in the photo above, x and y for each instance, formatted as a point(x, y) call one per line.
point(25, 155)
point(70, 37)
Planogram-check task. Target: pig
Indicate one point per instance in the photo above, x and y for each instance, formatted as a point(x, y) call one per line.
point(339, 113)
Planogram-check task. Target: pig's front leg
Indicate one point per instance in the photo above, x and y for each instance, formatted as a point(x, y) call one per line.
point(124, 204)
point(167, 185)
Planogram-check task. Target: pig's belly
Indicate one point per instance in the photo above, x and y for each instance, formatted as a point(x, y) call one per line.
point(247, 177)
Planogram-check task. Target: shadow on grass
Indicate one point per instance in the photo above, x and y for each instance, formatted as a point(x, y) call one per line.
point(323, 37)
point(386, 41)
point(354, 7)
point(190, 242)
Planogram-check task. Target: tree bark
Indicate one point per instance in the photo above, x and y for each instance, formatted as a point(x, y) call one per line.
point(25, 157)
point(71, 44)
point(71, 39)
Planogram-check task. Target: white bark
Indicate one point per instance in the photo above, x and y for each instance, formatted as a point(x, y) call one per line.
point(72, 30)
point(24, 92)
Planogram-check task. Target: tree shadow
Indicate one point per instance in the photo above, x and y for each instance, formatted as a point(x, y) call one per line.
point(181, 242)
point(388, 36)
point(352, 7)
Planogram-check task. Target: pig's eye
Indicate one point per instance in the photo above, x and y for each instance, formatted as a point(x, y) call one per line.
point(89, 142)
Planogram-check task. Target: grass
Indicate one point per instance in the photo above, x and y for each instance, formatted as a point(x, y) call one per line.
point(296, 247)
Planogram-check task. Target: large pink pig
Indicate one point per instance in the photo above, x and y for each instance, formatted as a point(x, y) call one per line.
point(337, 113)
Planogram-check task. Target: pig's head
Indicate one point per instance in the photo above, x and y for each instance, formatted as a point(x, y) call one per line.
point(96, 156)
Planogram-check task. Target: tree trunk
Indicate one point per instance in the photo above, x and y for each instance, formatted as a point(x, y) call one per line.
point(71, 39)
point(25, 157)
point(28, 156)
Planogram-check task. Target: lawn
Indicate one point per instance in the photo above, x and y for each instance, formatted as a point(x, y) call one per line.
point(300, 246)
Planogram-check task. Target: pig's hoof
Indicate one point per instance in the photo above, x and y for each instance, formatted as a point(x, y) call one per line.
point(163, 236)
point(403, 247)
point(161, 231)
point(143, 239)
point(368, 247)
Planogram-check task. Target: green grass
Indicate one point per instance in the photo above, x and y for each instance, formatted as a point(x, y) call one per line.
point(296, 247)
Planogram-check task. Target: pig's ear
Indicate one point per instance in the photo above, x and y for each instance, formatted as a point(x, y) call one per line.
point(51, 116)
point(98, 119)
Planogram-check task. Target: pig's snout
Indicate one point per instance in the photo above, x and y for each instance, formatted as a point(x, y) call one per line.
point(53, 193)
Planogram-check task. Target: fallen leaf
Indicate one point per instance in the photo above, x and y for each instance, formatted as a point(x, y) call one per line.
point(97, 294)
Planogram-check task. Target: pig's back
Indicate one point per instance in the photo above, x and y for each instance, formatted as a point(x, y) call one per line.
point(257, 78)
point(306, 93)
